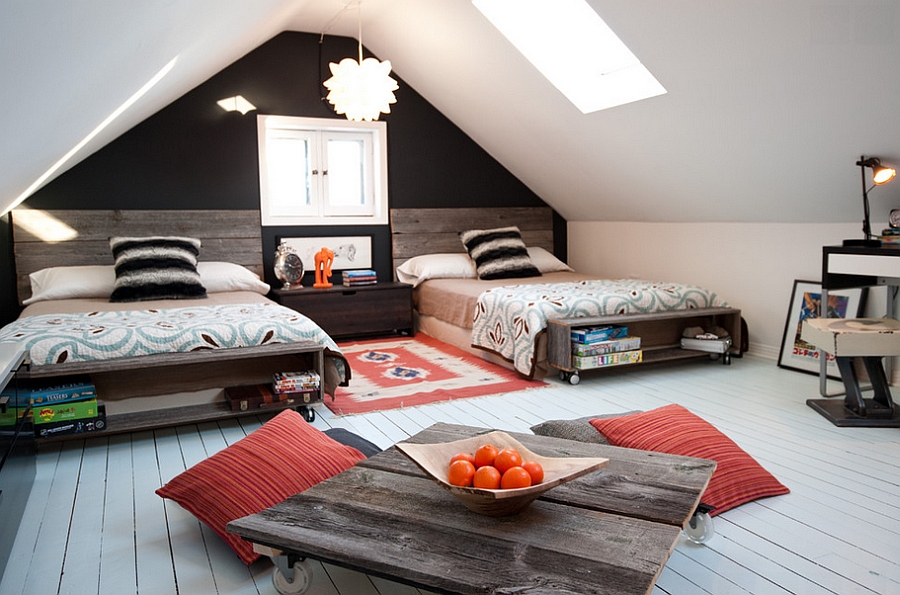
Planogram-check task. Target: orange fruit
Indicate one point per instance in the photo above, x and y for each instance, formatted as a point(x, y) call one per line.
point(506, 459)
point(515, 477)
point(485, 455)
point(461, 473)
point(463, 456)
point(487, 477)
point(535, 471)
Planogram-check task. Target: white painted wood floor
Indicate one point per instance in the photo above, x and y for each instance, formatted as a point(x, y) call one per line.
point(93, 524)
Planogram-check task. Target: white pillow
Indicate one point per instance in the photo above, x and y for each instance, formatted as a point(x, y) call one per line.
point(98, 281)
point(546, 262)
point(436, 266)
point(218, 277)
point(60, 283)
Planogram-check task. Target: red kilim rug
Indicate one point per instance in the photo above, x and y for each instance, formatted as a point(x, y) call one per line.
point(407, 371)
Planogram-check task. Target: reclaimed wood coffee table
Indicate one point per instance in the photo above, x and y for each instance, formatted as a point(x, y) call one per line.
point(608, 532)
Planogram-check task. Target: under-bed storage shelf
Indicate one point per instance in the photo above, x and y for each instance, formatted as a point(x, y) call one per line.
point(660, 334)
point(170, 373)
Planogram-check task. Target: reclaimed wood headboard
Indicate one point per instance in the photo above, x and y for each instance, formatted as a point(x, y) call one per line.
point(233, 236)
point(430, 231)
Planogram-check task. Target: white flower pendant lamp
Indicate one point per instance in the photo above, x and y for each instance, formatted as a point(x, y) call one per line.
point(362, 90)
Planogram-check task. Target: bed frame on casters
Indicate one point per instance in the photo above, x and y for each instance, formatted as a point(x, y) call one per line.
point(427, 231)
point(226, 235)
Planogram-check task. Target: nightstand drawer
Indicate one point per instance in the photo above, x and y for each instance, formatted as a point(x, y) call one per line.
point(354, 311)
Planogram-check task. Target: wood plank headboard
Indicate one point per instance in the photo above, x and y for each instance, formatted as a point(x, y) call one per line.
point(429, 231)
point(233, 236)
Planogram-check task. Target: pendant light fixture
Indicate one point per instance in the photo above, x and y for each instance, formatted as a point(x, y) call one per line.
point(361, 90)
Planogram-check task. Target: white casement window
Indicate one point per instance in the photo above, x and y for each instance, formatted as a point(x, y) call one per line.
point(319, 171)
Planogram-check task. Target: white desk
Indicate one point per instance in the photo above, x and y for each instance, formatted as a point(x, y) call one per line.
point(845, 267)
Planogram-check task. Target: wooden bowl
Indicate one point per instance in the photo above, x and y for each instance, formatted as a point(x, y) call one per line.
point(434, 460)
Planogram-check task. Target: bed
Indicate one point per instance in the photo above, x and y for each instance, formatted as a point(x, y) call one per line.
point(157, 361)
point(505, 319)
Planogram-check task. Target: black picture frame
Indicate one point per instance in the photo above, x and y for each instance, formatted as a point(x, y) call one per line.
point(796, 354)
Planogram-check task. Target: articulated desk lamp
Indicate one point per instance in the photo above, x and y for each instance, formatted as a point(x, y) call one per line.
point(880, 175)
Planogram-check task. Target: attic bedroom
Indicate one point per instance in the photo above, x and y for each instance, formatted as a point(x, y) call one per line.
point(732, 180)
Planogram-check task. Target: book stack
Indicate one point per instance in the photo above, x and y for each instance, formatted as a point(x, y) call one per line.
point(890, 235)
point(360, 277)
point(303, 386)
point(610, 345)
point(259, 396)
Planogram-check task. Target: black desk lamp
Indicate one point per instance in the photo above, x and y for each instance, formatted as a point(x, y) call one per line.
point(881, 174)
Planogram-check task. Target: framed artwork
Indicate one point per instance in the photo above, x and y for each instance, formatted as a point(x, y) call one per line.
point(806, 297)
point(350, 252)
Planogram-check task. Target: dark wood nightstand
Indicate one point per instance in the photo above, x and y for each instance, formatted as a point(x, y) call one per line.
point(342, 311)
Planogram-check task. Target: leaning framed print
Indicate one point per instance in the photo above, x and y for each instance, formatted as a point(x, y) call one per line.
point(806, 298)
point(349, 252)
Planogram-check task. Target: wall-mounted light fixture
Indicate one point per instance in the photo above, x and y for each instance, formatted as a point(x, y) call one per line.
point(236, 104)
point(881, 174)
point(362, 90)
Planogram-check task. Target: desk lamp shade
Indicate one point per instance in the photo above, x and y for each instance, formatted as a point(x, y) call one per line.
point(881, 174)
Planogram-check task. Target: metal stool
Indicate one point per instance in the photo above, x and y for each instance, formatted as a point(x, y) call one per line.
point(867, 339)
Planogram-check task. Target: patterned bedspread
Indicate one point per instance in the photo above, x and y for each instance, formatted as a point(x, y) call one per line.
point(79, 337)
point(509, 319)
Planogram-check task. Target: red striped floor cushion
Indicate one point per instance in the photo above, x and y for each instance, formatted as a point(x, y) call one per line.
point(672, 429)
point(283, 457)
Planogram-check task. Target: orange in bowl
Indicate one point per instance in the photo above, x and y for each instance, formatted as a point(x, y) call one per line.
point(434, 459)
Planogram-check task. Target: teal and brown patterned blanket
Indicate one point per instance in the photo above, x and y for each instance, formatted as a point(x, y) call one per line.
point(509, 319)
point(89, 336)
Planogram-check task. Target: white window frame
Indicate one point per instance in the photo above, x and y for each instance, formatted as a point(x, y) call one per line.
point(317, 131)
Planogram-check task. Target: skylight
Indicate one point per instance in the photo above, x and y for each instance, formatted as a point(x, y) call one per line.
point(574, 49)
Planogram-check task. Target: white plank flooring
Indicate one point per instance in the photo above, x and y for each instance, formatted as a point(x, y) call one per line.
point(93, 524)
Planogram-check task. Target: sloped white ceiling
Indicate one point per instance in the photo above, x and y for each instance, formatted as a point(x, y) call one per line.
point(769, 102)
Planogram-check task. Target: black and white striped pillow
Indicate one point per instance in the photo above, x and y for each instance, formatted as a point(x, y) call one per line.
point(155, 268)
point(499, 253)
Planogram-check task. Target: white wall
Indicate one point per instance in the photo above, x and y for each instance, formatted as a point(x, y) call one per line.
point(751, 265)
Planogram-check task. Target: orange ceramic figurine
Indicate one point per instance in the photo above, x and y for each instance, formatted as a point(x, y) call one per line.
point(324, 258)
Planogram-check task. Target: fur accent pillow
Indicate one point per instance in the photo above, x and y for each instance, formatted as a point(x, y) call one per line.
point(499, 253)
point(156, 267)
point(575, 429)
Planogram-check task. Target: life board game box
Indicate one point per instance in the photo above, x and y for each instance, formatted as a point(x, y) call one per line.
point(261, 396)
point(607, 359)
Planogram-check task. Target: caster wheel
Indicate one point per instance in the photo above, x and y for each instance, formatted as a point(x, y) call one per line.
point(298, 583)
point(563, 375)
point(308, 413)
point(700, 528)
point(574, 379)
point(727, 359)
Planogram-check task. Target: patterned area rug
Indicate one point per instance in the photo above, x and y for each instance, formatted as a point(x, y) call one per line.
point(407, 371)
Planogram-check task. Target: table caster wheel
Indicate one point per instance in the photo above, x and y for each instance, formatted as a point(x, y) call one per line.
point(700, 528)
point(298, 581)
point(574, 379)
point(308, 413)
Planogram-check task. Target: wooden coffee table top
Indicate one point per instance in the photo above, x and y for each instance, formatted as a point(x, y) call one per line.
point(608, 532)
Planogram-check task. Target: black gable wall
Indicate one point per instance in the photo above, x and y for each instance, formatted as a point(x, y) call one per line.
point(194, 155)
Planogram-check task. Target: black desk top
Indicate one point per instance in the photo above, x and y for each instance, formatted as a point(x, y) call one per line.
point(844, 280)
